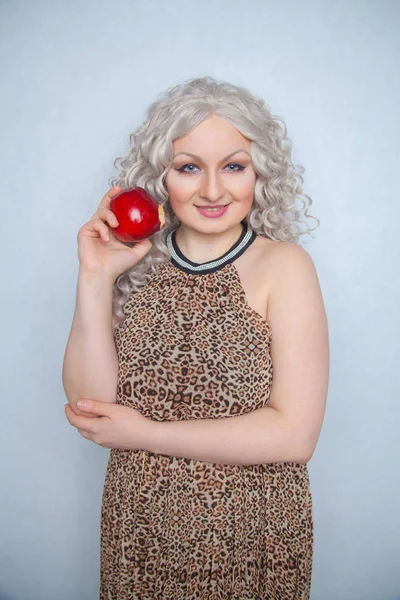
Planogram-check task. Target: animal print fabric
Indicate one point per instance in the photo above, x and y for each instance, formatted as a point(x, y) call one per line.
point(179, 529)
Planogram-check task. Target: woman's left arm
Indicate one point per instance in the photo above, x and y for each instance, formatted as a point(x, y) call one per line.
point(288, 428)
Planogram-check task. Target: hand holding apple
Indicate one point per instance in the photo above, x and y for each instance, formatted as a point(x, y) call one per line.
point(100, 251)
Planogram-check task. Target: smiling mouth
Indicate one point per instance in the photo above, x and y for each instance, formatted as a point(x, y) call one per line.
point(208, 207)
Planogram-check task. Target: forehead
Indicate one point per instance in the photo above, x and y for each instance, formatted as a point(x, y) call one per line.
point(215, 135)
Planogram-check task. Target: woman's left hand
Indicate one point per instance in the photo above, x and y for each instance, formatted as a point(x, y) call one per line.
point(117, 426)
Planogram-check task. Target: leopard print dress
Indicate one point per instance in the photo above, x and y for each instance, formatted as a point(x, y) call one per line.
point(173, 528)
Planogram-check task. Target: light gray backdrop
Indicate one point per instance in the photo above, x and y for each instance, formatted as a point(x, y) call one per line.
point(76, 78)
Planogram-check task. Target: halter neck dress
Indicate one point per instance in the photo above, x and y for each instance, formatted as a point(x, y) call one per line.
point(174, 528)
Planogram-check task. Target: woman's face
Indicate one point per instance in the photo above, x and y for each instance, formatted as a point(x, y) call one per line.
point(211, 167)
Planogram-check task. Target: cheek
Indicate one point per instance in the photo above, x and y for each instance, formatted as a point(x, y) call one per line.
point(245, 186)
point(179, 187)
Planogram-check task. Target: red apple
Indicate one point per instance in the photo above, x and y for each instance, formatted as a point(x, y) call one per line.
point(139, 215)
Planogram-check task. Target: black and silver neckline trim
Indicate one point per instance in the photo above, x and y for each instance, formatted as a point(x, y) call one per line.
point(179, 260)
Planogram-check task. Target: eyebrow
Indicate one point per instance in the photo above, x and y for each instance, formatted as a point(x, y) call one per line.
point(199, 158)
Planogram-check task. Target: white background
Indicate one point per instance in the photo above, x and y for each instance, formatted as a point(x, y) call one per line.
point(76, 78)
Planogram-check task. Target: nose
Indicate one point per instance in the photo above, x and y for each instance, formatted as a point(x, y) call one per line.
point(211, 187)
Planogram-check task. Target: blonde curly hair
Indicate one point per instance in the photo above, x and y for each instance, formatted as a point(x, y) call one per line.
point(174, 114)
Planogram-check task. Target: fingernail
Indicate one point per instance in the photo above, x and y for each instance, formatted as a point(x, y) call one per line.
point(82, 404)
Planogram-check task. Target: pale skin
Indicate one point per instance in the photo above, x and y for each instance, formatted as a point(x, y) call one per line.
point(281, 284)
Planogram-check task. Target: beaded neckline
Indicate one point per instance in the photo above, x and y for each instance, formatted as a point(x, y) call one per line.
point(178, 259)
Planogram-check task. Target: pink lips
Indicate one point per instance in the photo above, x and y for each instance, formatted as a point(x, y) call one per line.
point(212, 214)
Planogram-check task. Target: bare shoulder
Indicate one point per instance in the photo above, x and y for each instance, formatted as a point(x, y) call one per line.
point(277, 260)
point(286, 255)
point(274, 269)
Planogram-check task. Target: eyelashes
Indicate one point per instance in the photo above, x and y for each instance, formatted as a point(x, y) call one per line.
point(236, 170)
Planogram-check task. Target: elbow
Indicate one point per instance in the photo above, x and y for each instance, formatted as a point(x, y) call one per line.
point(306, 451)
point(305, 457)
point(301, 456)
point(295, 454)
point(302, 449)
point(304, 441)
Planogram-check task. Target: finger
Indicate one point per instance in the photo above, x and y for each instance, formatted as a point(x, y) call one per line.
point(78, 421)
point(141, 248)
point(114, 191)
point(107, 216)
point(101, 228)
point(96, 407)
point(84, 433)
point(71, 415)
point(94, 228)
point(79, 412)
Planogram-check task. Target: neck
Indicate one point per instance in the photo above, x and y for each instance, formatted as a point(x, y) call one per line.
point(201, 247)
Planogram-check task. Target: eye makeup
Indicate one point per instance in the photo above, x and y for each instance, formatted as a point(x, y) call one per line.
point(238, 168)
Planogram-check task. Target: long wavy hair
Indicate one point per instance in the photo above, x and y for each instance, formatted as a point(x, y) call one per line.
point(278, 186)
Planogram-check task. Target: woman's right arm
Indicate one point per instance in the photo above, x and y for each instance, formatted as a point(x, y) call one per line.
point(90, 368)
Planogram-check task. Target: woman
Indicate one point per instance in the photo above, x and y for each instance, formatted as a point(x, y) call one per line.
point(204, 353)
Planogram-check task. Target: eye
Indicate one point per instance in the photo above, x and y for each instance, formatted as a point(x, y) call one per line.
point(185, 168)
point(239, 167)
